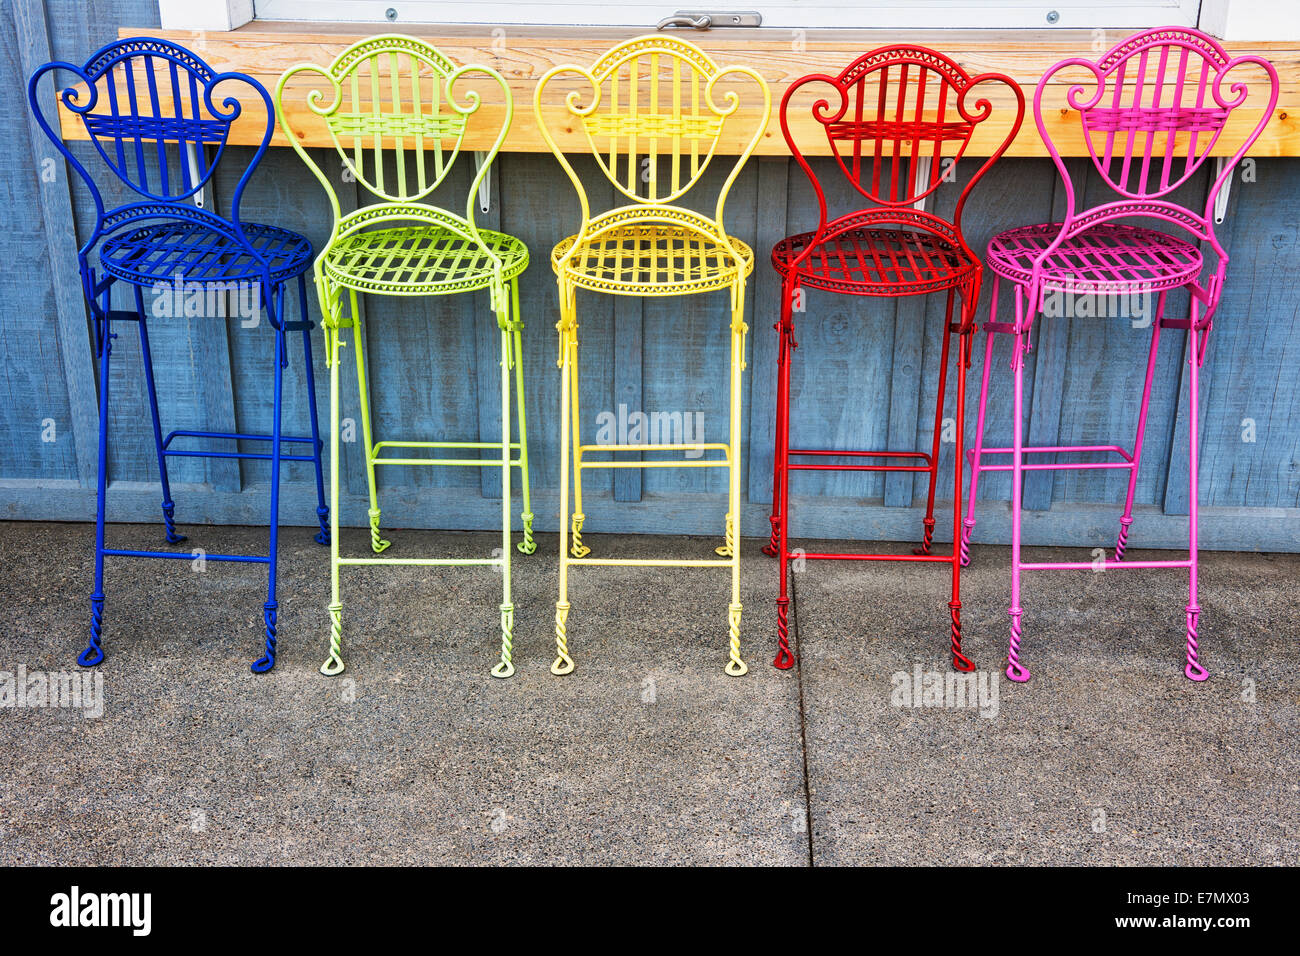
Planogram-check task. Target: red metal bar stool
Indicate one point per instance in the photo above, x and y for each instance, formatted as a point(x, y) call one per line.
point(891, 117)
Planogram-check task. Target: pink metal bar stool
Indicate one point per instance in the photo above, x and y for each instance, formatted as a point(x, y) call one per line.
point(1159, 102)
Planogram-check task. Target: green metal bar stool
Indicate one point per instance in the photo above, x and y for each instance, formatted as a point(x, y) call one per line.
point(390, 105)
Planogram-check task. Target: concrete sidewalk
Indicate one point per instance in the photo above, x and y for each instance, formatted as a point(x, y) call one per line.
point(648, 753)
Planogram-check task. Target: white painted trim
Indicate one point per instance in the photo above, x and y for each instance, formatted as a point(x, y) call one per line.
point(777, 14)
point(204, 14)
point(1243, 20)
point(1251, 19)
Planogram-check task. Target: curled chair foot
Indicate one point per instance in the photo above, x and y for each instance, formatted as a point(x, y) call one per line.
point(735, 666)
point(967, 527)
point(323, 536)
point(528, 545)
point(94, 652)
point(784, 659)
point(577, 548)
point(563, 662)
point(927, 538)
point(169, 520)
point(960, 662)
point(506, 668)
point(1193, 669)
point(1121, 543)
point(267, 660)
point(1015, 670)
point(333, 665)
point(728, 548)
point(377, 544)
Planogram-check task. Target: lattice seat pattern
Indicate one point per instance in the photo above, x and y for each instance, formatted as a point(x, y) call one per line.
point(397, 125)
point(889, 261)
point(1145, 119)
point(123, 128)
point(687, 126)
point(1110, 257)
point(421, 260)
point(196, 253)
point(657, 257)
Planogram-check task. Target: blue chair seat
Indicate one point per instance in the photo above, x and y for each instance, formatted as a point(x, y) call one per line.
point(159, 252)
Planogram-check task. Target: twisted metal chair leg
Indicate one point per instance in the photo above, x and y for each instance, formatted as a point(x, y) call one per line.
point(94, 652)
point(323, 516)
point(563, 662)
point(960, 662)
point(735, 666)
point(784, 658)
point(169, 519)
point(528, 545)
point(966, 528)
point(1015, 670)
point(772, 548)
point(927, 538)
point(727, 549)
point(1193, 670)
point(267, 661)
point(377, 544)
point(333, 665)
point(506, 667)
point(578, 549)
point(1121, 543)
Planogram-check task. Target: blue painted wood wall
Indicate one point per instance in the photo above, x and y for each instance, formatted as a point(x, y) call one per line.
point(863, 374)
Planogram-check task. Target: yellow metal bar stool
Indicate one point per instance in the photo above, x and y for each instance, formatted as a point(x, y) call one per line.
point(653, 116)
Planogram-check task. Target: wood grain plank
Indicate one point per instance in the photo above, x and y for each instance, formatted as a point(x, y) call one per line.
point(265, 50)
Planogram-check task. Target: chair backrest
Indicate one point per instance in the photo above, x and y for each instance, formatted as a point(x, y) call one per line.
point(152, 109)
point(393, 115)
point(890, 112)
point(655, 115)
point(1160, 102)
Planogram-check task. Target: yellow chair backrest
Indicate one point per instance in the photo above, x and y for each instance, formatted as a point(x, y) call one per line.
point(653, 112)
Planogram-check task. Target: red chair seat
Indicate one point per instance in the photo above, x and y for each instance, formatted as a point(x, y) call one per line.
point(876, 261)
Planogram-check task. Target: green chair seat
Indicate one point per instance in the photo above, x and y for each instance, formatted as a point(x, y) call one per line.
point(425, 259)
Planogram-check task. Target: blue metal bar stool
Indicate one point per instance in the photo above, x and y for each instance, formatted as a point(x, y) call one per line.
point(152, 112)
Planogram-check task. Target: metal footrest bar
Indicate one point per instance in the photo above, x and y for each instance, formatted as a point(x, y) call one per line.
point(252, 456)
point(1106, 566)
point(187, 555)
point(460, 462)
point(652, 562)
point(466, 462)
point(723, 462)
point(235, 436)
point(441, 444)
point(834, 453)
point(423, 562)
point(797, 466)
point(654, 464)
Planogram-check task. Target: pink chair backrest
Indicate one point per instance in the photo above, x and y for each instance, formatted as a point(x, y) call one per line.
point(1158, 103)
